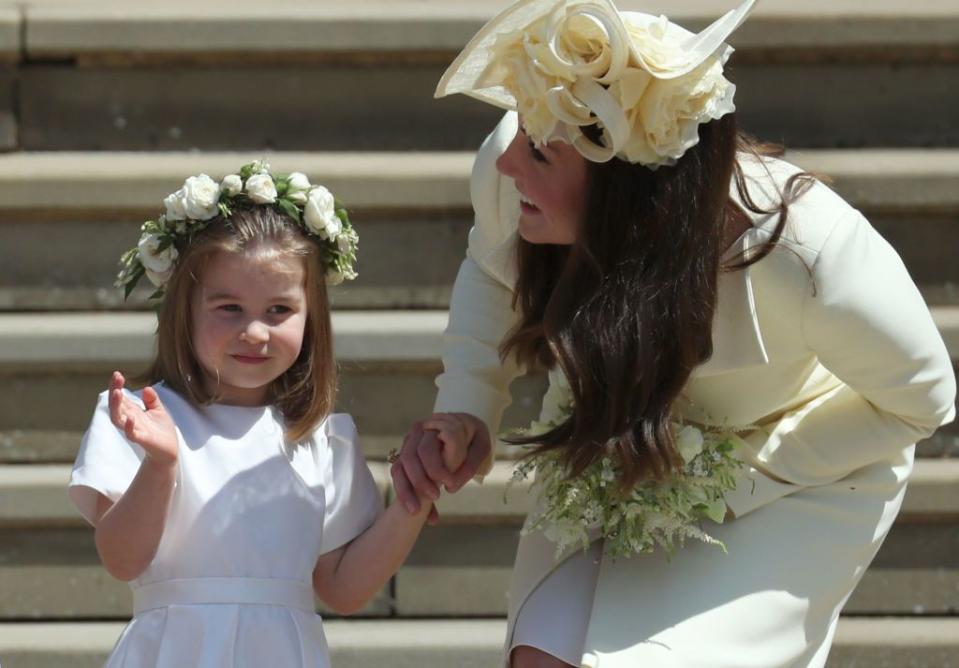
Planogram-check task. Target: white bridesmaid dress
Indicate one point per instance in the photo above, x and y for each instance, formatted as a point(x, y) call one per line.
point(230, 584)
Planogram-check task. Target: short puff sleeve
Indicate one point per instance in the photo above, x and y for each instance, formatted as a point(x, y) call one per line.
point(353, 501)
point(106, 463)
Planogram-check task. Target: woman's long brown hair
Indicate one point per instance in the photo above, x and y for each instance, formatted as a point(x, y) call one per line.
point(627, 310)
point(305, 393)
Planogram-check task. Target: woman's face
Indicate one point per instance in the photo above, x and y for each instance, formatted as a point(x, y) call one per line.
point(552, 184)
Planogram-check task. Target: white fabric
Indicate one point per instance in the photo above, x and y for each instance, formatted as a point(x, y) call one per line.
point(826, 347)
point(248, 519)
point(556, 615)
point(804, 556)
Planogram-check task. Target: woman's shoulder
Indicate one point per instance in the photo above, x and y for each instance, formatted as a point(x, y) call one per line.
point(814, 214)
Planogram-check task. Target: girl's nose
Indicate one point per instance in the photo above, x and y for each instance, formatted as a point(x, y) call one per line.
point(255, 332)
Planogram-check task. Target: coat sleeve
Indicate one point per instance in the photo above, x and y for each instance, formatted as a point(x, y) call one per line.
point(868, 325)
point(475, 380)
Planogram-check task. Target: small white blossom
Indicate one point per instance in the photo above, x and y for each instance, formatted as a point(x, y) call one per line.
point(299, 186)
point(157, 264)
point(232, 184)
point(196, 200)
point(320, 214)
point(201, 195)
point(175, 205)
point(689, 441)
point(261, 189)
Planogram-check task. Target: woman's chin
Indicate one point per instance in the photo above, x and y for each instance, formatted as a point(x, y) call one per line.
point(537, 232)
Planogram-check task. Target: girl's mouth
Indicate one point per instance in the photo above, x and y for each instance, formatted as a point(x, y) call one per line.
point(245, 359)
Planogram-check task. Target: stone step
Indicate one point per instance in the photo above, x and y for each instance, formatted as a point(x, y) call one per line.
point(58, 30)
point(52, 359)
point(99, 79)
point(49, 568)
point(476, 643)
point(67, 217)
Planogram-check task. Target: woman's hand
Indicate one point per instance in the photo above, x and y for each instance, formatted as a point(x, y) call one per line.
point(421, 468)
point(150, 427)
point(455, 433)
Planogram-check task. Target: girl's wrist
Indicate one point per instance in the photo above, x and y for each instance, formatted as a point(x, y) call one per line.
point(160, 466)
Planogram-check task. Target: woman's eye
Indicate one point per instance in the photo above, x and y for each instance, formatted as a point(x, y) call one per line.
point(536, 153)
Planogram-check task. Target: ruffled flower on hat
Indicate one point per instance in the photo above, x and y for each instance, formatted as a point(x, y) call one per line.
point(583, 64)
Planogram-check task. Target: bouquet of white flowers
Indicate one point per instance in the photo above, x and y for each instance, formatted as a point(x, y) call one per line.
point(654, 512)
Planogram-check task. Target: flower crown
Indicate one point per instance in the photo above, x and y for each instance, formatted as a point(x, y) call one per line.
point(645, 82)
point(191, 208)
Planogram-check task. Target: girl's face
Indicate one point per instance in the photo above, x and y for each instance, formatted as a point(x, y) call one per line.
point(552, 185)
point(249, 315)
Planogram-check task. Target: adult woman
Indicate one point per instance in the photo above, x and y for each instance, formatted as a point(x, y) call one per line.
point(661, 266)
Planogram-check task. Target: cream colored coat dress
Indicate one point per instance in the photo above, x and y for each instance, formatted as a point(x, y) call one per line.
point(827, 346)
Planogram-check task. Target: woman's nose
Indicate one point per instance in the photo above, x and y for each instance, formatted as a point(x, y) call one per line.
point(506, 163)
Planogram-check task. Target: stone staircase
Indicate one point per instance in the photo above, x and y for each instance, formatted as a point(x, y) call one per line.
point(105, 106)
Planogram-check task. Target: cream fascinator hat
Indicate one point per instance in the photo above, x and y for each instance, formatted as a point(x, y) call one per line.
point(564, 64)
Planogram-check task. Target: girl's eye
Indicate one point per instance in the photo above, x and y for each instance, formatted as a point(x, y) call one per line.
point(279, 308)
point(230, 308)
point(536, 153)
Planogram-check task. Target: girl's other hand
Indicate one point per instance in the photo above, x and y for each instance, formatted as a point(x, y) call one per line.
point(455, 434)
point(150, 427)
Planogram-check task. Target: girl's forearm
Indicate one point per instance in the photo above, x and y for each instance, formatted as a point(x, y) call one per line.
point(129, 532)
point(374, 556)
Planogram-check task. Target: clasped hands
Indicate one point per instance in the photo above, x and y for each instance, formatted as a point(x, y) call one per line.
point(446, 450)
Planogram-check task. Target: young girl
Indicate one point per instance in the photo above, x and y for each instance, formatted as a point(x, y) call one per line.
point(226, 493)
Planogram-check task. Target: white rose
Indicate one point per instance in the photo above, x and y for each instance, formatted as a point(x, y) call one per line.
point(176, 205)
point(158, 264)
point(201, 195)
point(298, 187)
point(232, 184)
point(689, 441)
point(344, 243)
point(261, 189)
point(320, 213)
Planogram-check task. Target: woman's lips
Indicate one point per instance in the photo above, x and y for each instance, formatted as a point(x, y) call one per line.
point(246, 359)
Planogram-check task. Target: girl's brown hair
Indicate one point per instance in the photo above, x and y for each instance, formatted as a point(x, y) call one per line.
point(627, 310)
point(305, 393)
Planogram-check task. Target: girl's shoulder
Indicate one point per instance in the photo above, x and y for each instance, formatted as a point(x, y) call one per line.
point(336, 429)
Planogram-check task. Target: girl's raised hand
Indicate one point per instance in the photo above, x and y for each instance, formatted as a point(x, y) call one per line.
point(150, 427)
